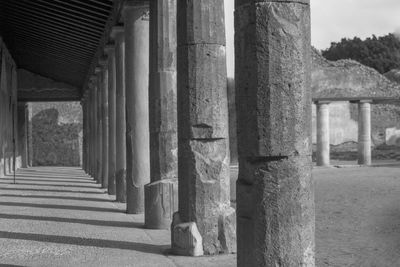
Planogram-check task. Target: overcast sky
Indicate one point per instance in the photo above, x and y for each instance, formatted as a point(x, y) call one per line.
point(332, 20)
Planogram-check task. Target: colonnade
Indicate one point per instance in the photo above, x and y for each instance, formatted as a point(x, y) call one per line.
point(364, 132)
point(156, 126)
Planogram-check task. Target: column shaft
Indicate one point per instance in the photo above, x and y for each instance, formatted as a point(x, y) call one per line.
point(84, 133)
point(275, 194)
point(137, 109)
point(120, 118)
point(22, 134)
point(161, 195)
point(99, 119)
point(105, 125)
point(111, 120)
point(323, 143)
point(364, 133)
point(203, 143)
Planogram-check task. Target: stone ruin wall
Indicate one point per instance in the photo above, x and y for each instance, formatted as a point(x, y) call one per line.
point(348, 78)
point(56, 133)
point(8, 113)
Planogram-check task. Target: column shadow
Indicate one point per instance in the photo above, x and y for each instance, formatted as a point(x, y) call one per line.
point(58, 197)
point(90, 242)
point(54, 190)
point(73, 220)
point(65, 207)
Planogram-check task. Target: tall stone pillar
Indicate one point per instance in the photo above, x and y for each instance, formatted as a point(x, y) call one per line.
point(30, 143)
point(275, 191)
point(84, 131)
point(120, 179)
point(22, 134)
point(99, 117)
point(161, 195)
point(203, 143)
point(92, 125)
point(323, 143)
point(110, 51)
point(364, 132)
point(105, 123)
point(137, 110)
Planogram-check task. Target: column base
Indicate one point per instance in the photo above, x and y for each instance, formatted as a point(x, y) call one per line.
point(161, 201)
point(185, 238)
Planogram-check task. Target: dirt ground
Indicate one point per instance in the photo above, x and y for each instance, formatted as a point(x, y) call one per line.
point(358, 216)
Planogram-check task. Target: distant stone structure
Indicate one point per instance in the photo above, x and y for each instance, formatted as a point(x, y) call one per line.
point(348, 78)
point(56, 134)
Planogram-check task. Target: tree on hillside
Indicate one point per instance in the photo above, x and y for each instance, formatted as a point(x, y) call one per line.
point(382, 53)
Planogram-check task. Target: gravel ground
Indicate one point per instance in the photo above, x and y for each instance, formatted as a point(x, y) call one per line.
point(60, 217)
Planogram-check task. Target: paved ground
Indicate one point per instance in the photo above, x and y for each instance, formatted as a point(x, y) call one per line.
point(60, 217)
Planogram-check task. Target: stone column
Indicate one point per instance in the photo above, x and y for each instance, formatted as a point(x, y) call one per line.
point(323, 144)
point(120, 179)
point(110, 51)
point(22, 134)
point(92, 127)
point(364, 132)
point(203, 143)
point(137, 110)
point(275, 192)
point(84, 131)
point(99, 119)
point(30, 144)
point(161, 195)
point(105, 123)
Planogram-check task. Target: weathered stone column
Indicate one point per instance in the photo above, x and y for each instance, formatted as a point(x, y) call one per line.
point(364, 132)
point(92, 122)
point(120, 179)
point(22, 134)
point(84, 131)
point(110, 51)
point(323, 143)
point(105, 123)
point(99, 117)
point(275, 192)
point(203, 143)
point(161, 195)
point(137, 108)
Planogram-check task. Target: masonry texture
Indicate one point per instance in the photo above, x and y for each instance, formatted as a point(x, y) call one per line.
point(56, 133)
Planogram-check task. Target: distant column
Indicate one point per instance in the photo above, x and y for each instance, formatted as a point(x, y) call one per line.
point(22, 134)
point(161, 195)
point(120, 179)
point(110, 51)
point(84, 130)
point(105, 123)
point(364, 132)
point(323, 143)
point(99, 117)
point(137, 109)
point(275, 189)
point(203, 140)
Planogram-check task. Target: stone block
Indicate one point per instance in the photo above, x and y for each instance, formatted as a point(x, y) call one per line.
point(202, 94)
point(161, 202)
point(201, 27)
point(273, 81)
point(280, 206)
point(185, 238)
point(227, 230)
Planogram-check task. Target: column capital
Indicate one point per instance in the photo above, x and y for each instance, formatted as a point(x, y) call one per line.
point(363, 101)
point(109, 49)
point(321, 102)
point(116, 30)
point(136, 5)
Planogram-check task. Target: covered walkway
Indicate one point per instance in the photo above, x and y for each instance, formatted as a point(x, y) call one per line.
point(61, 217)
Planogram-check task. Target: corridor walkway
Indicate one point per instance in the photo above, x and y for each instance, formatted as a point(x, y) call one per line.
point(61, 217)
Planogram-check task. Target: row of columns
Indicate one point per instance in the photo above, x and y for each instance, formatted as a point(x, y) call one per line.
point(162, 145)
point(364, 133)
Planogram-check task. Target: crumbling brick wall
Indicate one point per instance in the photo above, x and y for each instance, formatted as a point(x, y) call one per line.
point(56, 134)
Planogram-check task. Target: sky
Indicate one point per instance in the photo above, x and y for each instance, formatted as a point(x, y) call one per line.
point(332, 20)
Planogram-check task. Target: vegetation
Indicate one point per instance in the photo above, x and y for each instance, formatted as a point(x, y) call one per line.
point(381, 53)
